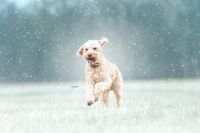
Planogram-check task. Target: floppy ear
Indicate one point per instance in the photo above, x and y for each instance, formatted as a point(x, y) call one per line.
point(79, 53)
point(103, 41)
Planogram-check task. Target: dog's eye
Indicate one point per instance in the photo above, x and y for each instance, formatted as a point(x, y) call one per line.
point(86, 49)
point(94, 48)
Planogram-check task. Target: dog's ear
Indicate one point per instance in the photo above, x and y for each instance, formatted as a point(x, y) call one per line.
point(103, 41)
point(79, 53)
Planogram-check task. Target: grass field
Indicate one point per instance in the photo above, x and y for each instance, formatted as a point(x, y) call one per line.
point(149, 107)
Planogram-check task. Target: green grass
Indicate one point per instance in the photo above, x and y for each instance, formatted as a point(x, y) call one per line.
point(149, 107)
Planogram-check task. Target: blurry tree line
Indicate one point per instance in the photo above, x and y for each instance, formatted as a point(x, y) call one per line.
point(150, 39)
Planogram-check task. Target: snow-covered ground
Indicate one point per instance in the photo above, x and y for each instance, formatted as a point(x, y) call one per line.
point(149, 107)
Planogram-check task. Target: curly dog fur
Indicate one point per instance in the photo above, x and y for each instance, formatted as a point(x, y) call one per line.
point(102, 76)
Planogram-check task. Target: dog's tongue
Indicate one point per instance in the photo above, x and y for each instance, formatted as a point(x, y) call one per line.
point(90, 61)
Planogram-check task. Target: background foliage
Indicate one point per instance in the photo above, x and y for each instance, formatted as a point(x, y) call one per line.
point(149, 39)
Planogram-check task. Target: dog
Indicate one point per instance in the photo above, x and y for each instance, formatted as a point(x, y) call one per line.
point(102, 76)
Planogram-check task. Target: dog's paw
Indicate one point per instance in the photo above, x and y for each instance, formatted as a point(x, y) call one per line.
point(89, 103)
point(90, 100)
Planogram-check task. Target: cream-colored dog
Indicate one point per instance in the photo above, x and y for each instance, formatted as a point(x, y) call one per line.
point(102, 76)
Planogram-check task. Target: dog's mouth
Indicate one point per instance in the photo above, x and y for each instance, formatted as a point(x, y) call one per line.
point(91, 59)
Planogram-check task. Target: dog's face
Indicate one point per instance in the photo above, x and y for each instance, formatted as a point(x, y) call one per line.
point(92, 49)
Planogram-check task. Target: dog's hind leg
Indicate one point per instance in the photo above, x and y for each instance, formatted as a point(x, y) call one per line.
point(117, 89)
point(105, 96)
point(118, 94)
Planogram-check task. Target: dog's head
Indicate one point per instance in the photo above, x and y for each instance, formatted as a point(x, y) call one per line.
point(92, 49)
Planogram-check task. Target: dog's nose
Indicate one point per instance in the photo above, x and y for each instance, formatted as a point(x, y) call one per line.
point(89, 55)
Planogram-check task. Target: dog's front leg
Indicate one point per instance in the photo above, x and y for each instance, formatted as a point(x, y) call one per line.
point(90, 94)
point(101, 87)
point(90, 97)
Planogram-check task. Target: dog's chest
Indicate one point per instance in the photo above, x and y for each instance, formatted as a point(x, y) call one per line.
point(97, 75)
